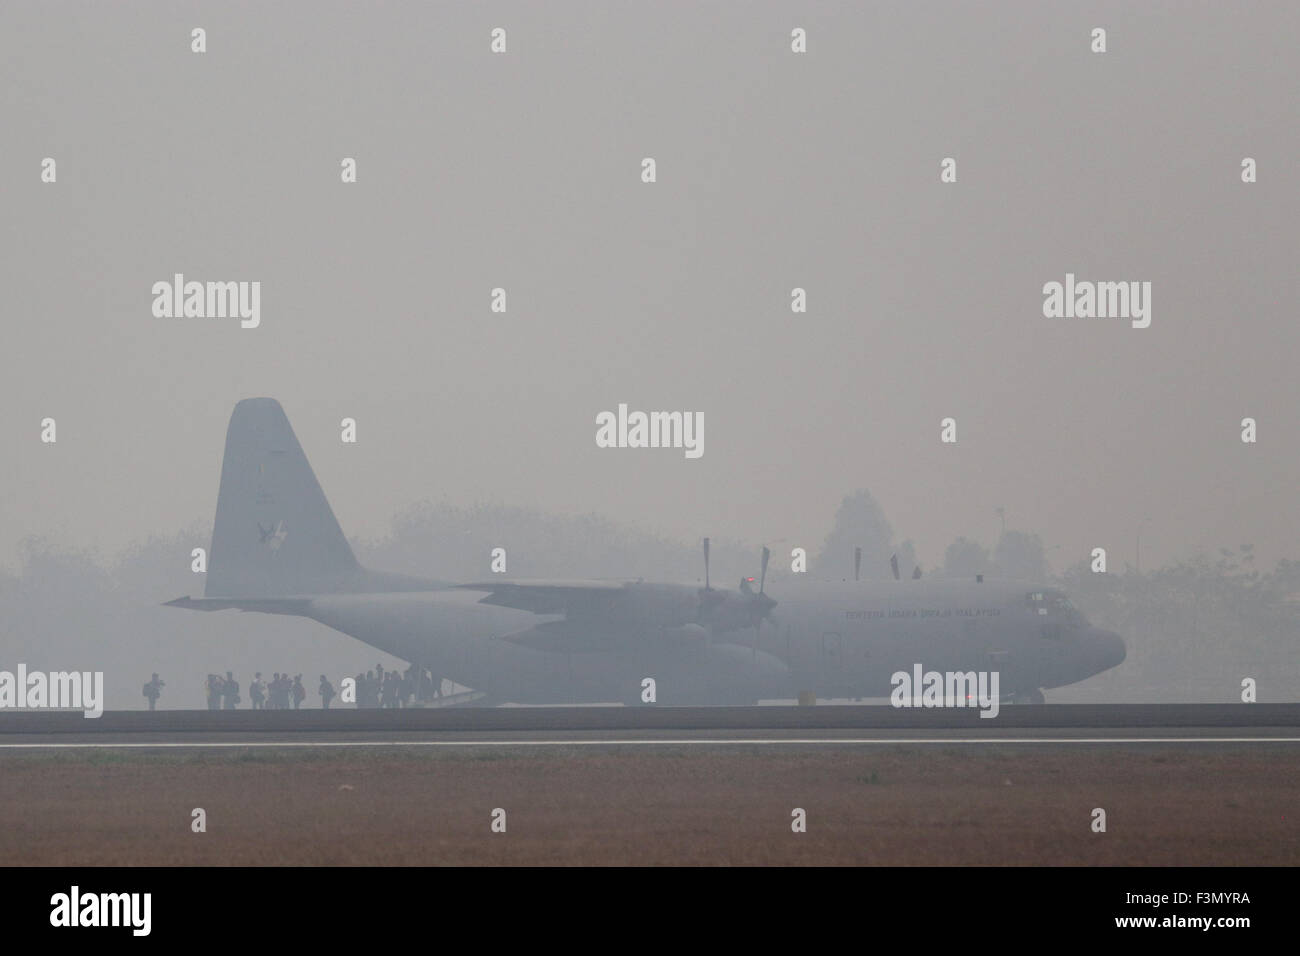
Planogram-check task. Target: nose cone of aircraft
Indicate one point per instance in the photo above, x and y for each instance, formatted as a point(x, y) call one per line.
point(1109, 650)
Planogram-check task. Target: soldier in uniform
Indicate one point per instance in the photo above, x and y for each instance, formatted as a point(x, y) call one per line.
point(257, 691)
point(229, 691)
point(326, 692)
point(153, 690)
point(214, 692)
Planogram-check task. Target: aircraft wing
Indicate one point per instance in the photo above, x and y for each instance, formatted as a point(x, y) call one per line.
point(564, 637)
point(551, 597)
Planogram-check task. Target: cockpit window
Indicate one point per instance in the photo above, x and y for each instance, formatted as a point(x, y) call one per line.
point(1053, 604)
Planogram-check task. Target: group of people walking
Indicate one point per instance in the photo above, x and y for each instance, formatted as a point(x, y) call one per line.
point(380, 688)
point(279, 693)
point(377, 688)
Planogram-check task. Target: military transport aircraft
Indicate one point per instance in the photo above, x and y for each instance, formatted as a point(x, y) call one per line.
point(278, 549)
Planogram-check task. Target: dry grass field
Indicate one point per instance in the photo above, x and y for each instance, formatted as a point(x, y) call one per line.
point(929, 805)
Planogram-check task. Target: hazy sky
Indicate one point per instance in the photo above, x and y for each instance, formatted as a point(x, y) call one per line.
point(775, 170)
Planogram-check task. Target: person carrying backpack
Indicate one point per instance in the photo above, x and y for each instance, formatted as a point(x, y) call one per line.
point(153, 690)
point(326, 692)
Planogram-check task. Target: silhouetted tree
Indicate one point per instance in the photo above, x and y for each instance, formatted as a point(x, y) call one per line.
point(860, 523)
point(1020, 555)
point(965, 558)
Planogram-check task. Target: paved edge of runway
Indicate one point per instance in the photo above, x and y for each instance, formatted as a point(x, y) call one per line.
point(615, 719)
point(575, 742)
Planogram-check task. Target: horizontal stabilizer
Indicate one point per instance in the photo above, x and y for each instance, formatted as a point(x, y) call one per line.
point(263, 605)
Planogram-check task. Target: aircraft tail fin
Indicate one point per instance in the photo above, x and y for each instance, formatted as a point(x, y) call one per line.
point(274, 533)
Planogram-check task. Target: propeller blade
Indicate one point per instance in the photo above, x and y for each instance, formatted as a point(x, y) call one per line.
point(709, 599)
point(857, 563)
point(893, 563)
point(762, 580)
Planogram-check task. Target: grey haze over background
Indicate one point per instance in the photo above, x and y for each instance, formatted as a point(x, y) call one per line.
point(774, 171)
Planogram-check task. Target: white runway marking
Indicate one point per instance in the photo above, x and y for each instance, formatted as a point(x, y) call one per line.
point(662, 743)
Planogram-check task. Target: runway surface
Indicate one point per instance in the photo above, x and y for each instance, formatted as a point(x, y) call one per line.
point(1061, 724)
point(1180, 785)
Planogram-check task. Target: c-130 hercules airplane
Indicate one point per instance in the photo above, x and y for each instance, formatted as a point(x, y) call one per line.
point(547, 642)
